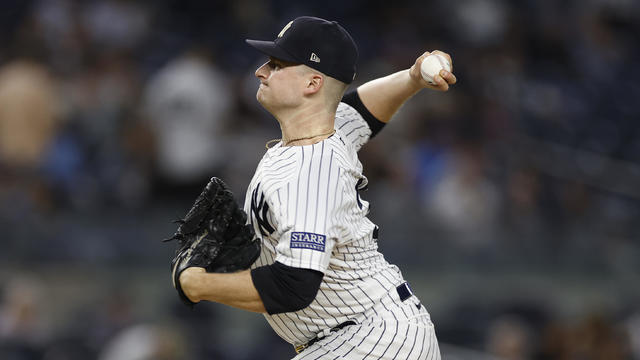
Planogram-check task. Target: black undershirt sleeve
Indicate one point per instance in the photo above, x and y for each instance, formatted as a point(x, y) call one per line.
point(353, 99)
point(284, 288)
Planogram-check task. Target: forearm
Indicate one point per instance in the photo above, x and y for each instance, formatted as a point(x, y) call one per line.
point(233, 289)
point(384, 96)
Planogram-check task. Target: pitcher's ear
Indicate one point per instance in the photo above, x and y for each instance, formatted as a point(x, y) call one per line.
point(314, 83)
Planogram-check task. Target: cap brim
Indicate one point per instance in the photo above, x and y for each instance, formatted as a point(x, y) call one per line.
point(270, 48)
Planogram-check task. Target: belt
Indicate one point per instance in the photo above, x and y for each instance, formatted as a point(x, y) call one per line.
point(404, 291)
point(300, 348)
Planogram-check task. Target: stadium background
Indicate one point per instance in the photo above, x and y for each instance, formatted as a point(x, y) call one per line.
point(511, 202)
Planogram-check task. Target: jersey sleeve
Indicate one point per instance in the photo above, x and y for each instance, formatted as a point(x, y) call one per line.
point(355, 121)
point(307, 230)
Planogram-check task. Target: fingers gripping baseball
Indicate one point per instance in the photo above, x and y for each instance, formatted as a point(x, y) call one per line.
point(441, 80)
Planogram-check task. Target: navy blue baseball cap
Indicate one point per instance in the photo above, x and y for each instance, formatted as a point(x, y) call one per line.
point(320, 44)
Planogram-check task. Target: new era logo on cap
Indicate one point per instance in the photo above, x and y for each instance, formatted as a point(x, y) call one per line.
point(301, 40)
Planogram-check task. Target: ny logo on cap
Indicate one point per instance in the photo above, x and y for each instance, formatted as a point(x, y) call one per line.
point(314, 58)
point(285, 28)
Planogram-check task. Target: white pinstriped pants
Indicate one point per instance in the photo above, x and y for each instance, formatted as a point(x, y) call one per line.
point(391, 330)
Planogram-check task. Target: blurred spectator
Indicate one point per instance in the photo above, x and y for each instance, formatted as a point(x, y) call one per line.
point(480, 22)
point(147, 342)
point(28, 114)
point(119, 24)
point(465, 202)
point(633, 329)
point(527, 227)
point(23, 327)
point(598, 338)
point(59, 24)
point(187, 103)
point(509, 338)
point(592, 337)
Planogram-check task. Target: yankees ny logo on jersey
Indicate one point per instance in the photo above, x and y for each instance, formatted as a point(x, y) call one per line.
point(259, 211)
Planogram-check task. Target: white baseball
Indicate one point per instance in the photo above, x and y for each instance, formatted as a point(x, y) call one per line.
point(431, 66)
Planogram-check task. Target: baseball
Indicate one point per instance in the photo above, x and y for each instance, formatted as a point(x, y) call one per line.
point(431, 65)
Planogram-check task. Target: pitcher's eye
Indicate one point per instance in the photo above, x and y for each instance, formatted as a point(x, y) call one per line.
point(279, 64)
point(274, 64)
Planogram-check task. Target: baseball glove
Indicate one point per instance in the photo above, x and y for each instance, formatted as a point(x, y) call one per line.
point(213, 235)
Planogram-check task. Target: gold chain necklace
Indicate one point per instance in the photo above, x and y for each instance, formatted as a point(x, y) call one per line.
point(268, 144)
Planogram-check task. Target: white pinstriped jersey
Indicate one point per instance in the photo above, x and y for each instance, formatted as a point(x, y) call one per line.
point(304, 204)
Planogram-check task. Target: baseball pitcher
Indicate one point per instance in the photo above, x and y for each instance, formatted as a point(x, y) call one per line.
point(303, 251)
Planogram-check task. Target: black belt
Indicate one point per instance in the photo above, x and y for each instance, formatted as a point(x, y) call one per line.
point(404, 291)
point(299, 348)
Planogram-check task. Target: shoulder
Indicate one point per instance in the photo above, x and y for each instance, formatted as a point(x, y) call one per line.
point(339, 151)
point(353, 108)
point(347, 112)
point(349, 120)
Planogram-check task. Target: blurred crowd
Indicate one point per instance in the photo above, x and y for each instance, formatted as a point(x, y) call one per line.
point(114, 113)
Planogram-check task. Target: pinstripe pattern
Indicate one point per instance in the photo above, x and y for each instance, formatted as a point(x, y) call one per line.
point(402, 333)
point(314, 189)
point(352, 125)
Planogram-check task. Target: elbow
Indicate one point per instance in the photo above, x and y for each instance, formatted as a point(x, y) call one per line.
point(285, 289)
